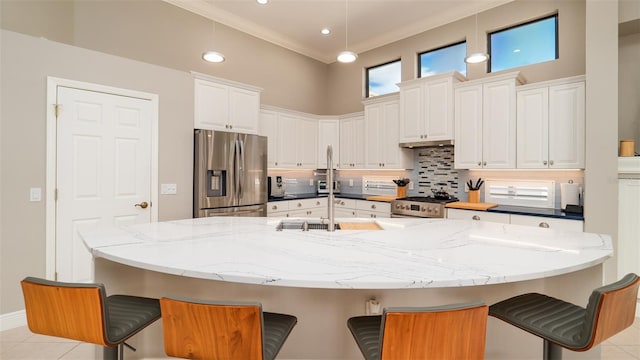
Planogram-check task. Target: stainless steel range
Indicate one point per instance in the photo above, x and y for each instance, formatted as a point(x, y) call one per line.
point(421, 206)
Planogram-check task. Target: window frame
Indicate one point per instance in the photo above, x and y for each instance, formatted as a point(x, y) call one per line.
point(366, 73)
point(419, 62)
point(547, 17)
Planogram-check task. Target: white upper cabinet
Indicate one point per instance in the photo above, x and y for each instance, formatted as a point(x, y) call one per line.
point(485, 123)
point(292, 138)
point(225, 105)
point(382, 150)
point(328, 134)
point(268, 126)
point(551, 124)
point(427, 108)
point(352, 142)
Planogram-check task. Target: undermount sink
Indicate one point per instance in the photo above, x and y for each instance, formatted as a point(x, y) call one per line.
point(304, 225)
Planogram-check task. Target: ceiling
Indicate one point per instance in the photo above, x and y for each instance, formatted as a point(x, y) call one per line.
point(296, 24)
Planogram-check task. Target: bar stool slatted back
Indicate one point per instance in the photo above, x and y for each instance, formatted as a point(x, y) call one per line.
point(443, 332)
point(83, 312)
point(207, 330)
point(611, 309)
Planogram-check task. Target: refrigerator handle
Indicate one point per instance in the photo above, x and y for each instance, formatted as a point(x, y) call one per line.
point(242, 167)
point(236, 170)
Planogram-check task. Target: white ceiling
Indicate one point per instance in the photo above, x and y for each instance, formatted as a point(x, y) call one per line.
point(296, 24)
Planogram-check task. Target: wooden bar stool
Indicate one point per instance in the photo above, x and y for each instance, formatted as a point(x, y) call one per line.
point(208, 330)
point(560, 324)
point(83, 312)
point(441, 332)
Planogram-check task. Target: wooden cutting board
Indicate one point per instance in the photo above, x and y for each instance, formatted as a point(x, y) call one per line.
point(471, 206)
point(359, 226)
point(387, 198)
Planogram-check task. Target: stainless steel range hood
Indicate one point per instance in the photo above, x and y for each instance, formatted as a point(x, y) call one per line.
point(423, 144)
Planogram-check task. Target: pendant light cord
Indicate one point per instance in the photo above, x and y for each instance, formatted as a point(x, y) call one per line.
point(346, 24)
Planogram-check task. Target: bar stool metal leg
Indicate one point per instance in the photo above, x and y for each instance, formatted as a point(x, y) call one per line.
point(551, 351)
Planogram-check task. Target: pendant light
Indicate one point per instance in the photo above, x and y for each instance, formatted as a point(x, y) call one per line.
point(476, 57)
point(213, 56)
point(346, 56)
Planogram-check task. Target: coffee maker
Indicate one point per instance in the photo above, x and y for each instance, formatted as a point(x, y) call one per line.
point(275, 186)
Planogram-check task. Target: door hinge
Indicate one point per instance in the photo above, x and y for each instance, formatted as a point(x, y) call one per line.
point(55, 276)
point(57, 110)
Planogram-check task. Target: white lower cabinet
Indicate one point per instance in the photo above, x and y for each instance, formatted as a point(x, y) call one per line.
point(317, 208)
point(278, 209)
point(311, 208)
point(477, 215)
point(372, 209)
point(527, 220)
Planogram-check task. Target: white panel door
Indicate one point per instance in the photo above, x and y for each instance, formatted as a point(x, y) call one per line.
point(499, 125)
point(468, 125)
point(373, 123)
point(103, 170)
point(211, 106)
point(439, 110)
point(269, 128)
point(411, 115)
point(328, 134)
point(533, 128)
point(567, 126)
point(244, 109)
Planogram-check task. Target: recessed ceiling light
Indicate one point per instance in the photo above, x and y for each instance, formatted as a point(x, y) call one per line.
point(213, 56)
point(262, 2)
point(516, 50)
point(325, 31)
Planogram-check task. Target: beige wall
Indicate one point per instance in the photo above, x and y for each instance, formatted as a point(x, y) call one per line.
point(158, 33)
point(601, 164)
point(347, 81)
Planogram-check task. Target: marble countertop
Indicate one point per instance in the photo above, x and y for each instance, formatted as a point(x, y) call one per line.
point(408, 253)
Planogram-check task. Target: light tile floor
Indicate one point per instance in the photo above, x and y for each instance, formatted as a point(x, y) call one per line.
point(21, 344)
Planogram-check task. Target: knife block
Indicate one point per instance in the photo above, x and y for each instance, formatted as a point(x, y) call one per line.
point(401, 192)
point(474, 196)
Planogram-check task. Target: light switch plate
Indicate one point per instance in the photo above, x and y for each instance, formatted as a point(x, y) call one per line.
point(168, 189)
point(35, 194)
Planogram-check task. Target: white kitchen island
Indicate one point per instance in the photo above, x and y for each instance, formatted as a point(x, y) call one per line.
point(323, 278)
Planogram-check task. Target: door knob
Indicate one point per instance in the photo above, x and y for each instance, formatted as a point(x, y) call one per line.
point(143, 204)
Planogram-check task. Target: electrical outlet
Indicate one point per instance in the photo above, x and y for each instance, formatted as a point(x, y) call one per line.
point(168, 189)
point(350, 182)
point(411, 185)
point(466, 187)
point(310, 182)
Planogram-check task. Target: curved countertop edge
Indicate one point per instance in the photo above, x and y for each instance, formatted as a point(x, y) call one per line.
point(320, 251)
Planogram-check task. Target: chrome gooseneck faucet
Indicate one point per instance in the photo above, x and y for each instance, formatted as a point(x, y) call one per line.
point(330, 200)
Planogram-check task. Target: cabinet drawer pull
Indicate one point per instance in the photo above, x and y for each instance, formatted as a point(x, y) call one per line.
point(550, 162)
point(484, 163)
point(475, 217)
point(317, 202)
point(479, 163)
point(274, 207)
point(544, 225)
point(373, 206)
point(544, 162)
point(299, 204)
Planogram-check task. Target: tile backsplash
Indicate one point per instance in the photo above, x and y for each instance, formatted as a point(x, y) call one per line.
point(435, 170)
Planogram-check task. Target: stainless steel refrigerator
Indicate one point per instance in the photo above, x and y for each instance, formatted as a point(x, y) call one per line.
point(230, 174)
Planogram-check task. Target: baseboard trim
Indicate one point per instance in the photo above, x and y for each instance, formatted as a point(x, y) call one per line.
point(13, 320)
